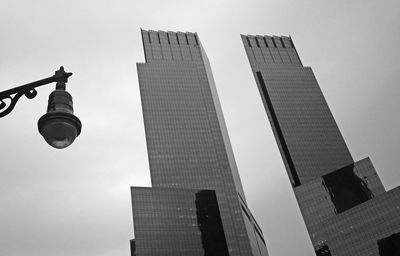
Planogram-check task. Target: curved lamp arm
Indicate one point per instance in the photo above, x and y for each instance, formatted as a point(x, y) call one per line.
point(14, 94)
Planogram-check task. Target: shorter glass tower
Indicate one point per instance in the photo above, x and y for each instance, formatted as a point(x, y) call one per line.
point(188, 219)
point(343, 203)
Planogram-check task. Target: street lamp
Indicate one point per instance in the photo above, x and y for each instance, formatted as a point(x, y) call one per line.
point(59, 127)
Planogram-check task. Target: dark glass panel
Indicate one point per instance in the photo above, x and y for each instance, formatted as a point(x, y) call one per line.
point(346, 189)
point(390, 246)
point(210, 224)
point(323, 251)
point(133, 248)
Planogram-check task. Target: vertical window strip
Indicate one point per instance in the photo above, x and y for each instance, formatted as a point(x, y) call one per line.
point(258, 44)
point(187, 40)
point(283, 44)
point(265, 41)
point(248, 41)
point(144, 47)
point(273, 41)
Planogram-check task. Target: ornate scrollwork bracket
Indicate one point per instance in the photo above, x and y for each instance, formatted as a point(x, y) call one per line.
point(9, 98)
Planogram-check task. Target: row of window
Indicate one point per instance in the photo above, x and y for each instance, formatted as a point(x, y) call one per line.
point(177, 39)
point(273, 42)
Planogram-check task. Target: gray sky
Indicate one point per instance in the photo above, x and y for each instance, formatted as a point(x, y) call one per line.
point(76, 201)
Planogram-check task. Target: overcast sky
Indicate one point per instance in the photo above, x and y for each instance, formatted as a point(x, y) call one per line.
point(76, 201)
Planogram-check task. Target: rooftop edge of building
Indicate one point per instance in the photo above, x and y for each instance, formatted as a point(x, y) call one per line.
point(277, 41)
point(169, 45)
point(179, 37)
point(271, 49)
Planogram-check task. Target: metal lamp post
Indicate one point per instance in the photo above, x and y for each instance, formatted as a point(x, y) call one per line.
point(59, 126)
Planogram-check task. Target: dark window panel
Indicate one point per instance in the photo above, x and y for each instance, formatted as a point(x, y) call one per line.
point(323, 251)
point(389, 246)
point(346, 189)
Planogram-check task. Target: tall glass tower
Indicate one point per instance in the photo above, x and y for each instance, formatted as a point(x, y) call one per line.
point(343, 203)
point(196, 205)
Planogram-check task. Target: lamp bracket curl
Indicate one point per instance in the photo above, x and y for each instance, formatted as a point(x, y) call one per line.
point(14, 94)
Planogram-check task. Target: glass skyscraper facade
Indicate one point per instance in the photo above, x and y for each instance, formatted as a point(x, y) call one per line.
point(196, 205)
point(344, 204)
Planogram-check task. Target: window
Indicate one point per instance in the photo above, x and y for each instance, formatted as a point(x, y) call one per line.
point(258, 44)
point(273, 41)
point(248, 41)
point(265, 41)
point(323, 251)
point(346, 189)
point(283, 44)
point(389, 246)
point(187, 40)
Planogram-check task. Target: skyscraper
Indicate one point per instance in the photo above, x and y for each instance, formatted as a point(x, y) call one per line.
point(343, 203)
point(196, 205)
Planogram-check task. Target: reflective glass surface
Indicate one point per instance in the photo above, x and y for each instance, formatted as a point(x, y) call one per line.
point(389, 246)
point(343, 203)
point(187, 140)
point(170, 221)
point(346, 189)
